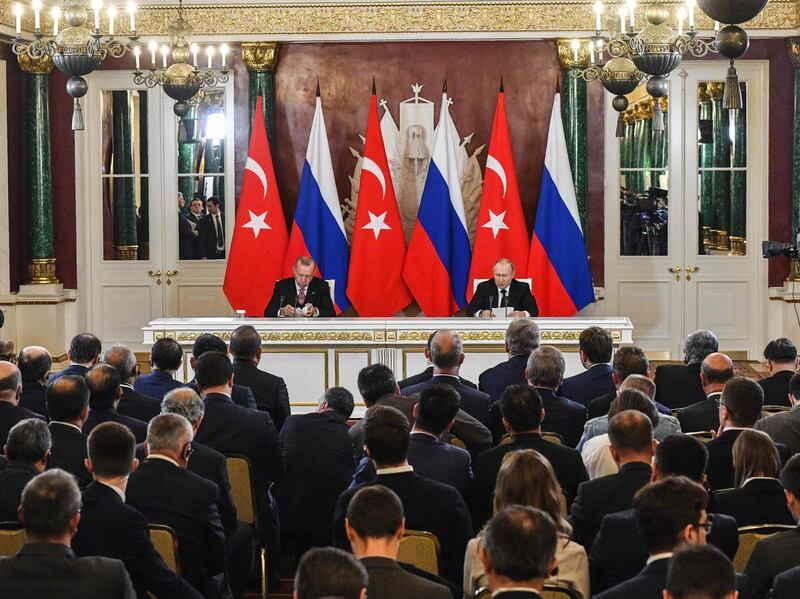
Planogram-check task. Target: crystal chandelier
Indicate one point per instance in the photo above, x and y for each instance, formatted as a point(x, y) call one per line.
point(180, 80)
point(76, 50)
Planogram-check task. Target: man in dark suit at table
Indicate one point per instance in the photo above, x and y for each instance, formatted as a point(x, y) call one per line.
point(83, 353)
point(502, 291)
point(68, 406)
point(34, 364)
point(166, 357)
point(211, 231)
point(427, 374)
point(104, 394)
point(715, 371)
point(678, 385)
point(241, 395)
point(131, 403)
point(522, 337)
point(781, 357)
point(10, 391)
point(302, 294)
point(596, 349)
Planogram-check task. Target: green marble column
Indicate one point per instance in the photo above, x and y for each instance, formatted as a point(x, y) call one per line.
point(705, 160)
point(739, 178)
point(123, 195)
point(720, 157)
point(261, 59)
point(573, 110)
point(186, 158)
point(143, 216)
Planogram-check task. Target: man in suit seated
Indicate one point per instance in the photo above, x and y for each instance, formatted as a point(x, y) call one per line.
point(315, 473)
point(679, 385)
point(596, 348)
point(26, 452)
point(519, 552)
point(784, 427)
point(521, 408)
point(83, 353)
point(502, 291)
point(427, 374)
point(781, 357)
point(241, 395)
point(522, 337)
point(302, 295)
point(701, 572)
point(10, 391)
point(110, 528)
point(68, 406)
point(269, 390)
point(104, 394)
point(374, 527)
point(46, 566)
point(328, 573)
point(131, 403)
point(166, 357)
point(34, 364)
point(632, 447)
point(428, 505)
point(703, 415)
point(166, 493)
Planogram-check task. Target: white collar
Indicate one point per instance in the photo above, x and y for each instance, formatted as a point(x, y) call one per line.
point(734, 428)
point(515, 590)
point(747, 480)
point(116, 490)
point(713, 393)
point(657, 556)
point(395, 470)
point(166, 458)
point(77, 428)
point(452, 376)
point(421, 432)
point(127, 385)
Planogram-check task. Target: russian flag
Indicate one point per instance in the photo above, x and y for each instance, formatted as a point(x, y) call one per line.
point(437, 262)
point(318, 229)
point(558, 263)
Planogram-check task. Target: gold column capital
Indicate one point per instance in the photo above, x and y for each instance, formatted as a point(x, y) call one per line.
point(260, 56)
point(566, 55)
point(793, 46)
point(42, 65)
point(42, 271)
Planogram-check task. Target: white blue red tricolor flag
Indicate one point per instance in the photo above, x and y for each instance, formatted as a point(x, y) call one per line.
point(437, 262)
point(318, 229)
point(558, 263)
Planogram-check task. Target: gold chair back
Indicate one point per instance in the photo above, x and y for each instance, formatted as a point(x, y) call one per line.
point(704, 436)
point(553, 438)
point(749, 536)
point(558, 591)
point(421, 549)
point(770, 410)
point(241, 488)
point(166, 543)
point(12, 538)
point(483, 593)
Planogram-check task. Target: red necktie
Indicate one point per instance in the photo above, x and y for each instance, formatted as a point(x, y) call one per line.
point(301, 297)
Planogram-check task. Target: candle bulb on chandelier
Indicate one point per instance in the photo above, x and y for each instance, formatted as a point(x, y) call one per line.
point(97, 5)
point(623, 14)
point(631, 13)
point(18, 17)
point(598, 13)
point(223, 50)
point(681, 17)
point(195, 50)
point(575, 45)
point(112, 14)
point(591, 52)
point(210, 54)
point(56, 12)
point(153, 47)
point(136, 52)
point(716, 26)
point(164, 54)
point(37, 14)
point(600, 47)
point(690, 4)
point(131, 8)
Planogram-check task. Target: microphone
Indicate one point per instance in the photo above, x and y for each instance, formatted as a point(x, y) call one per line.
point(491, 301)
point(280, 305)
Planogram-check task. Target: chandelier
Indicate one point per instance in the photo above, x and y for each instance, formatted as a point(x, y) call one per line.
point(76, 50)
point(180, 80)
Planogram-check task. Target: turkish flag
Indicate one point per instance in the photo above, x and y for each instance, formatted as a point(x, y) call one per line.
point(260, 236)
point(375, 280)
point(501, 230)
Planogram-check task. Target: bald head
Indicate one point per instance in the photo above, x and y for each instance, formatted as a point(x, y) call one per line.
point(640, 383)
point(715, 371)
point(34, 363)
point(631, 435)
point(447, 352)
point(10, 383)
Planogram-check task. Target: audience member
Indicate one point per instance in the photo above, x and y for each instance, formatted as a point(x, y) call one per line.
point(781, 357)
point(26, 452)
point(46, 567)
point(527, 478)
point(131, 403)
point(679, 385)
point(427, 374)
point(715, 370)
point(166, 357)
point(240, 395)
point(596, 347)
point(269, 390)
point(34, 364)
point(784, 427)
point(10, 390)
point(104, 395)
point(700, 572)
point(521, 408)
point(7, 351)
point(628, 360)
point(786, 584)
point(328, 573)
point(522, 337)
point(68, 406)
point(374, 527)
point(83, 353)
point(111, 528)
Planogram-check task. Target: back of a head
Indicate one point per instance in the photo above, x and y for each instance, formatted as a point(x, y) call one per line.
point(526, 477)
point(28, 441)
point(327, 572)
point(438, 405)
point(522, 336)
point(375, 381)
point(629, 360)
point(546, 367)
point(700, 572)
point(168, 432)
point(49, 501)
point(597, 344)
point(640, 383)
point(521, 406)
point(743, 399)
point(375, 512)
point(111, 447)
point(632, 399)
point(122, 359)
point(520, 543)
point(446, 349)
point(664, 508)
point(340, 400)
point(10, 379)
point(166, 354)
point(386, 435)
point(682, 455)
point(84, 348)
point(185, 402)
point(794, 386)
point(245, 342)
point(212, 369)
point(781, 351)
point(34, 363)
point(630, 431)
point(67, 397)
point(103, 381)
point(699, 345)
point(716, 368)
point(206, 343)
point(755, 455)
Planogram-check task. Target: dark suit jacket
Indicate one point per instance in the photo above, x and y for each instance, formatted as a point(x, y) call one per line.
point(428, 505)
point(678, 385)
point(185, 238)
point(425, 376)
point(241, 395)
point(156, 384)
point(776, 388)
point(401, 402)
point(783, 427)
point(517, 594)
point(285, 292)
point(562, 416)
point(69, 451)
point(72, 369)
point(495, 380)
point(100, 415)
point(720, 460)
point(520, 298)
point(786, 584)
point(187, 503)
point(11, 415)
point(566, 463)
point(12, 480)
point(475, 403)
point(589, 384)
point(760, 501)
point(388, 580)
point(773, 555)
point(269, 390)
point(701, 416)
point(647, 584)
point(207, 236)
point(45, 570)
point(605, 495)
point(34, 397)
point(110, 528)
point(137, 405)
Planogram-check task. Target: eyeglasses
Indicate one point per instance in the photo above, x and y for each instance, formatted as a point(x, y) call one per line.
point(706, 526)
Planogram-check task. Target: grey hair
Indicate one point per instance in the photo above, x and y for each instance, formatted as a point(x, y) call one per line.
point(446, 356)
point(699, 345)
point(167, 431)
point(185, 402)
point(640, 383)
point(546, 367)
point(49, 501)
point(28, 441)
point(122, 359)
point(522, 337)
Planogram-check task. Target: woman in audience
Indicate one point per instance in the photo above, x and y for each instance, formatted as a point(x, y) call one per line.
point(758, 497)
point(527, 478)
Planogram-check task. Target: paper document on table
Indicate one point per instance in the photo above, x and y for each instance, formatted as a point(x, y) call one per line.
point(502, 312)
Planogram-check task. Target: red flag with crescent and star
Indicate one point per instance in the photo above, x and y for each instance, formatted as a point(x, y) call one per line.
point(375, 281)
point(260, 236)
point(501, 230)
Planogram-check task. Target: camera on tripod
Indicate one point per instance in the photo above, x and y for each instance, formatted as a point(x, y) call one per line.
point(772, 249)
